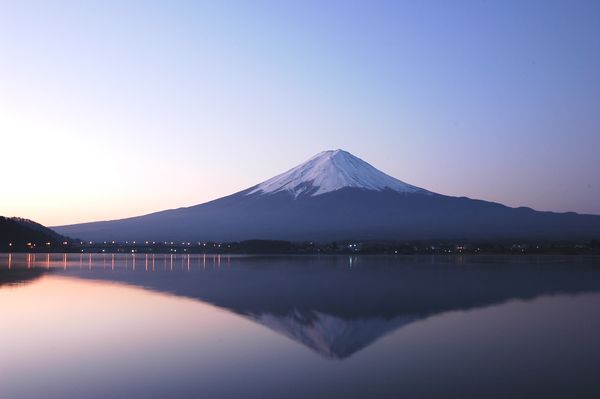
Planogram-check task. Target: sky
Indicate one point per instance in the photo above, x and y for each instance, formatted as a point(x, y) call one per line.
point(110, 109)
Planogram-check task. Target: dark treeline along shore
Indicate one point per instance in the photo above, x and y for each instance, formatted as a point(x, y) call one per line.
point(19, 234)
point(23, 235)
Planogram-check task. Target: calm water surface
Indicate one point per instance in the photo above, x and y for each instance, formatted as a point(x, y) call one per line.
point(162, 326)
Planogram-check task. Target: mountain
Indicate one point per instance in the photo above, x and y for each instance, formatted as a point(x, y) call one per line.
point(330, 171)
point(337, 196)
point(16, 233)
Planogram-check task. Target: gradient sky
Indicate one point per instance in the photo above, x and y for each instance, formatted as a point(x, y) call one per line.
point(111, 109)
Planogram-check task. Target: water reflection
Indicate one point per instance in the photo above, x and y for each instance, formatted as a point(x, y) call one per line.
point(335, 306)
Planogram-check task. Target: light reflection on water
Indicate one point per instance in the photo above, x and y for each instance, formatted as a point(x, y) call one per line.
point(167, 325)
point(120, 261)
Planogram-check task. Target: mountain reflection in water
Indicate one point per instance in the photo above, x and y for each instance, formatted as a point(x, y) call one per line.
point(334, 305)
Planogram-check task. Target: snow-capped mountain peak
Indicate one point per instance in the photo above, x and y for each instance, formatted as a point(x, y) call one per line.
point(330, 171)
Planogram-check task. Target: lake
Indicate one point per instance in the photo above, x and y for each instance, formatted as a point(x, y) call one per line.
point(219, 326)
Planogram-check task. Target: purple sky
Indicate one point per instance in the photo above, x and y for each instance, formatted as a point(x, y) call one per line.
point(114, 109)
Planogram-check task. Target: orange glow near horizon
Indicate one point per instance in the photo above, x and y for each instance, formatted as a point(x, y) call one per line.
point(43, 316)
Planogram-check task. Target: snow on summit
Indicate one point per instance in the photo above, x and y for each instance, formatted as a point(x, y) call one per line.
point(330, 171)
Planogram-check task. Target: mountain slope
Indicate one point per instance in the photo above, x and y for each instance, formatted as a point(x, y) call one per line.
point(15, 233)
point(336, 196)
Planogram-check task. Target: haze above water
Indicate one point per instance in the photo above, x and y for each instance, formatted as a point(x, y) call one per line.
point(161, 326)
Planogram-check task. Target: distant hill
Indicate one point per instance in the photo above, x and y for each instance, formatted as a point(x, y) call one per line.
point(336, 196)
point(17, 234)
